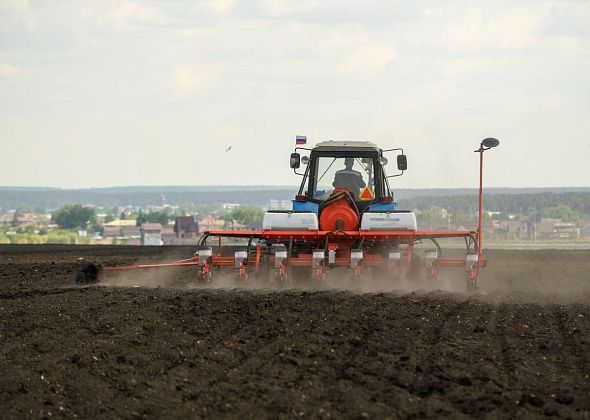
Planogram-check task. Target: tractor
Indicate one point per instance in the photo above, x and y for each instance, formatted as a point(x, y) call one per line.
point(343, 217)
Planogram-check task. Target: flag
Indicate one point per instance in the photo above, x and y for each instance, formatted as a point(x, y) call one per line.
point(300, 139)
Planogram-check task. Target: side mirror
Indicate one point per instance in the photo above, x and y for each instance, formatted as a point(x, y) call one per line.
point(295, 161)
point(383, 160)
point(305, 160)
point(402, 162)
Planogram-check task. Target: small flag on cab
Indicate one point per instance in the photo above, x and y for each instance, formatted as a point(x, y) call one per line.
point(300, 140)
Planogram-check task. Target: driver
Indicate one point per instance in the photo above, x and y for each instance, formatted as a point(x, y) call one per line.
point(349, 178)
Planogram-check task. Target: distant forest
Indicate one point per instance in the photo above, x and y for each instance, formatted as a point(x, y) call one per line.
point(506, 203)
point(508, 200)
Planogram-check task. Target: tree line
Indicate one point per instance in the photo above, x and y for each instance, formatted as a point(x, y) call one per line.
point(526, 204)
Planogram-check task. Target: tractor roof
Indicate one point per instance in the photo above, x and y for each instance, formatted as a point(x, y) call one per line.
point(345, 145)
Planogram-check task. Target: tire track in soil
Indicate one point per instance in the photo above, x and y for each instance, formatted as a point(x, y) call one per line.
point(572, 359)
point(444, 366)
point(532, 361)
point(296, 362)
point(509, 361)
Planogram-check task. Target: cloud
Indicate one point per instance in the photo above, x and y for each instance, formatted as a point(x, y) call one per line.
point(279, 8)
point(8, 70)
point(458, 68)
point(15, 5)
point(356, 54)
point(221, 7)
point(118, 15)
point(516, 28)
point(568, 45)
point(187, 79)
point(367, 60)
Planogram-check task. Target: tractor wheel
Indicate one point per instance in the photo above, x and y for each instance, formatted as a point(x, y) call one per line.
point(80, 278)
point(87, 275)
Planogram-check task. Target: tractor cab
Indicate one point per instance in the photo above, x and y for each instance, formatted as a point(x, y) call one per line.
point(342, 180)
point(355, 166)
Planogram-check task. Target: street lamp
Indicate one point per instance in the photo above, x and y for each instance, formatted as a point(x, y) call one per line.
point(486, 144)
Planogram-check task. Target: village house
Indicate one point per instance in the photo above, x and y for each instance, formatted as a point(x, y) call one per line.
point(185, 227)
point(111, 232)
point(151, 234)
point(168, 234)
point(131, 232)
point(27, 219)
point(131, 235)
point(557, 229)
point(512, 229)
point(210, 223)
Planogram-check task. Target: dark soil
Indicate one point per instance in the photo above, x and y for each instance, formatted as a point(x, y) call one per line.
point(521, 348)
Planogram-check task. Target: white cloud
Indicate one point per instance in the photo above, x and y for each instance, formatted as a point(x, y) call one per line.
point(367, 59)
point(569, 46)
point(278, 8)
point(8, 70)
point(516, 28)
point(15, 5)
point(221, 7)
point(187, 79)
point(356, 53)
point(119, 15)
point(461, 67)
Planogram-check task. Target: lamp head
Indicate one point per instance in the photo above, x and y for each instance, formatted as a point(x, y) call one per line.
point(490, 142)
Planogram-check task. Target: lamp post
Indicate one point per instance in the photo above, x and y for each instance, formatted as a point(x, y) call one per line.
point(486, 144)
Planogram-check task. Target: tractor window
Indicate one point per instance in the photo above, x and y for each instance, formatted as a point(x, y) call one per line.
point(354, 174)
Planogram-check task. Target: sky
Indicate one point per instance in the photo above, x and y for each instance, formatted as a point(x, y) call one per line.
point(97, 93)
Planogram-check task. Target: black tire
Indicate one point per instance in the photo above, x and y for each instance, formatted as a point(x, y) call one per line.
point(80, 278)
point(89, 274)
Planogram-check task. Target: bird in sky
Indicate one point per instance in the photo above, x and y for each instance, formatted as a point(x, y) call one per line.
point(228, 149)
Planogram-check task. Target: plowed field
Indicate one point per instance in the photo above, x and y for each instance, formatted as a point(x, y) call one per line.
point(519, 348)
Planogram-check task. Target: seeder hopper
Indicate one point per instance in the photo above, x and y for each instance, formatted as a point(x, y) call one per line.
point(343, 217)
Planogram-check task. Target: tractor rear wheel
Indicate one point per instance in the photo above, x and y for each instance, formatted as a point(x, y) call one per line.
point(87, 275)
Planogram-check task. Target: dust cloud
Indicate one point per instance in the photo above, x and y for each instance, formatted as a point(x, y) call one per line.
point(554, 276)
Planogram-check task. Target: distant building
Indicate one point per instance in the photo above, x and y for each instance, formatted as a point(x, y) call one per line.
point(151, 234)
point(557, 229)
point(185, 227)
point(230, 206)
point(26, 219)
point(111, 232)
point(7, 217)
point(168, 234)
point(512, 229)
point(125, 234)
point(279, 204)
point(211, 223)
point(131, 232)
point(119, 223)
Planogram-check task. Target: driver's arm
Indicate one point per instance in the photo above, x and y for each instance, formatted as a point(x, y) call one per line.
point(361, 181)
